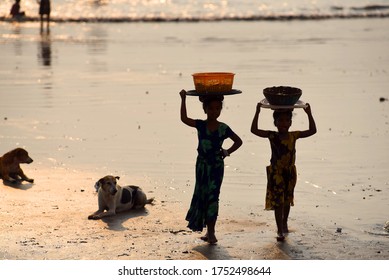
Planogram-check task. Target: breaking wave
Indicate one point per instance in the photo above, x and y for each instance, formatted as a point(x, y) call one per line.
point(199, 10)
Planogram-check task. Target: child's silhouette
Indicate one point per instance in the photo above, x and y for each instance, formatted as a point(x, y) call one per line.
point(281, 174)
point(44, 9)
point(204, 206)
point(15, 10)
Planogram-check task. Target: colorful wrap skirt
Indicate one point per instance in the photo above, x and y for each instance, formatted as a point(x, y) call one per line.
point(280, 186)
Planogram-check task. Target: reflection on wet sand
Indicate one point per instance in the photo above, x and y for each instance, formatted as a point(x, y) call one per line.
point(98, 42)
point(44, 55)
point(45, 59)
point(17, 32)
point(97, 46)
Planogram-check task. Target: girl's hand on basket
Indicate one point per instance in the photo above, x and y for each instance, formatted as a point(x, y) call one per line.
point(307, 109)
point(183, 94)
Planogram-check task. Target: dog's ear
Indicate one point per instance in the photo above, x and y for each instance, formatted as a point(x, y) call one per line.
point(23, 151)
point(98, 184)
point(18, 152)
point(117, 177)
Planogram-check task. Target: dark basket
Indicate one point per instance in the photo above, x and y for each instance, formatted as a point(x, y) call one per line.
point(285, 96)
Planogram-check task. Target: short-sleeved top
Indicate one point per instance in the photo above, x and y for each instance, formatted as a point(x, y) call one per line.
point(210, 142)
point(283, 151)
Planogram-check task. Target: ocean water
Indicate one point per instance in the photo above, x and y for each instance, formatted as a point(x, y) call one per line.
point(197, 10)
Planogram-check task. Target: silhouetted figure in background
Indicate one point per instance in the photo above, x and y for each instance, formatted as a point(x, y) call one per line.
point(44, 9)
point(15, 10)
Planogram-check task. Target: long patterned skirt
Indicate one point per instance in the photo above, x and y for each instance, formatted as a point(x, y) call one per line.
point(204, 206)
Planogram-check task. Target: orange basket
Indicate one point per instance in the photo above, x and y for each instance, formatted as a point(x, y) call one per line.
point(213, 82)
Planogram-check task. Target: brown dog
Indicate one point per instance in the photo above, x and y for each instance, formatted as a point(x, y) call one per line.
point(9, 166)
point(113, 198)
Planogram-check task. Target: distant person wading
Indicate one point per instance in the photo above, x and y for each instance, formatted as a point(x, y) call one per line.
point(44, 9)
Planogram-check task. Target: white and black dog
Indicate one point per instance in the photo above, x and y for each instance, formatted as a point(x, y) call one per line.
point(113, 198)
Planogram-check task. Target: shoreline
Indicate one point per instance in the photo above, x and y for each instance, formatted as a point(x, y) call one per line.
point(158, 19)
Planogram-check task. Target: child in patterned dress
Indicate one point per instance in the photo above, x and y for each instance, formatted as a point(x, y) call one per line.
point(281, 174)
point(204, 205)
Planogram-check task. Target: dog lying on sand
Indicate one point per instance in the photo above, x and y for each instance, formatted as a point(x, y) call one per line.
point(10, 166)
point(113, 198)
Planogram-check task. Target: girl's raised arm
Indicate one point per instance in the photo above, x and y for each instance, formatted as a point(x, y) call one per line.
point(254, 125)
point(184, 115)
point(312, 125)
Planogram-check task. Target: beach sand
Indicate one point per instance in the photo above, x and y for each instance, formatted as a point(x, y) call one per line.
point(87, 100)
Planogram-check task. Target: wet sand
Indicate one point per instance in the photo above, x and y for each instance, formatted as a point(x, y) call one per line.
point(87, 100)
point(48, 220)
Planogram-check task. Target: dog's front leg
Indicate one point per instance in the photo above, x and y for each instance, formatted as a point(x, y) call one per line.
point(95, 215)
point(105, 214)
point(24, 176)
point(101, 214)
point(102, 207)
point(111, 207)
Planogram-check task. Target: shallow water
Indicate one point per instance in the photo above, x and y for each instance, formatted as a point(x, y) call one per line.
point(167, 10)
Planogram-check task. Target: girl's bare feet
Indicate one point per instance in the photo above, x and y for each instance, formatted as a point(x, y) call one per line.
point(212, 239)
point(280, 237)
